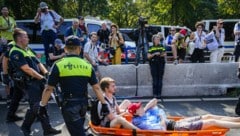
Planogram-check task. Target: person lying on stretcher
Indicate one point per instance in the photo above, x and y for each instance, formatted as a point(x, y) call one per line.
point(151, 117)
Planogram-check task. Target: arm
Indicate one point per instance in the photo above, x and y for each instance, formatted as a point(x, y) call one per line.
point(42, 68)
point(31, 72)
point(55, 57)
point(150, 104)
point(5, 65)
point(37, 17)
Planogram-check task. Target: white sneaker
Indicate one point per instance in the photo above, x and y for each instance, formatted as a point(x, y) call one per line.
point(175, 62)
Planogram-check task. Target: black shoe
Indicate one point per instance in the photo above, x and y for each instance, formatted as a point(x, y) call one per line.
point(51, 131)
point(26, 131)
point(13, 118)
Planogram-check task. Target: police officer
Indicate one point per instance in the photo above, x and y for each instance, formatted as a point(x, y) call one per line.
point(156, 56)
point(31, 71)
point(16, 91)
point(73, 74)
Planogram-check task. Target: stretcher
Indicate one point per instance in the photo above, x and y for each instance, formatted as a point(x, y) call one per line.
point(98, 130)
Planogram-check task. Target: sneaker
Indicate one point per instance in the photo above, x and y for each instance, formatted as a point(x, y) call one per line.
point(175, 62)
point(26, 131)
point(14, 118)
point(51, 131)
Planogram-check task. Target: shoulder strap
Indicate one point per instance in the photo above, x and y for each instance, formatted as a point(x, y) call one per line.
point(112, 105)
point(51, 13)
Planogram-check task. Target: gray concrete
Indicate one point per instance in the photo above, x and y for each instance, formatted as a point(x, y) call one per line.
point(200, 79)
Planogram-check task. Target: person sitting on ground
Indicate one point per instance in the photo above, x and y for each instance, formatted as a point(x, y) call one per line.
point(152, 117)
point(114, 118)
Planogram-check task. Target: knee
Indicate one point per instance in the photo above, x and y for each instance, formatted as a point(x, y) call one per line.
point(207, 116)
point(210, 122)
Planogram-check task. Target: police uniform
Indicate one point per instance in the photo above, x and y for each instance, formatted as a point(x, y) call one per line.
point(16, 91)
point(34, 88)
point(73, 75)
point(157, 65)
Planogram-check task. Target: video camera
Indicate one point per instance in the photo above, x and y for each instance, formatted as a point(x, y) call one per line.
point(142, 21)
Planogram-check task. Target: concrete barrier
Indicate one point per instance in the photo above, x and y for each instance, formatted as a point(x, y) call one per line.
point(200, 79)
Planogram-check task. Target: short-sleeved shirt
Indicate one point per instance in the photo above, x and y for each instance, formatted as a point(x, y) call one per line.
point(18, 60)
point(150, 120)
point(71, 31)
point(73, 76)
point(91, 50)
point(5, 22)
point(47, 20)
point(200, 37)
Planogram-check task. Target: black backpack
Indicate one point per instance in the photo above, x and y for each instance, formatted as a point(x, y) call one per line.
point(95, 119)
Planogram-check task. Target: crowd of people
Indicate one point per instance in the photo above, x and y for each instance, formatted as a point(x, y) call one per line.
point(75, 64)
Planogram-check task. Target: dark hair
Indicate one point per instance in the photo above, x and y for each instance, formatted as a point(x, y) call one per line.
point(105, 82)
point(18, 32)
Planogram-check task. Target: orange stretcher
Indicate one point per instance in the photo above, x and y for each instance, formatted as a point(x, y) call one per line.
point(213, 131)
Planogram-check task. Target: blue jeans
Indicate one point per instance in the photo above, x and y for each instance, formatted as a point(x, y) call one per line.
point(48, 37)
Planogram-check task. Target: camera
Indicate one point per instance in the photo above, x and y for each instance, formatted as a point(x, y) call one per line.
point(142, 21)
point(43, 10)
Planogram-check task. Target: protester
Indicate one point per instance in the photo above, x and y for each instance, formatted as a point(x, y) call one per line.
point(50, 22)
point(91, 53)
point(75, 31)
point(73, 75)
point(156, 56)
point(116, 41)
point(219, 33)
point(198, 53)
point(236, 31)
point(103, 34)
point(169, 38)
point(152, 117)
point(56, 52)
point(114, 118)
point(179, 46)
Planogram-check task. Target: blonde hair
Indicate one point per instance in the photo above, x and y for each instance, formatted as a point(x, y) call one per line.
point(105, 82)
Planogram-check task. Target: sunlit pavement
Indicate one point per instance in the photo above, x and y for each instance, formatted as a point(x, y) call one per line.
point(175, 107)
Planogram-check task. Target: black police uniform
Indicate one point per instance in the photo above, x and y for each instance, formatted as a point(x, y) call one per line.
point(73, 74)
point(16, 89)
point(33, 87)
point(157, 65)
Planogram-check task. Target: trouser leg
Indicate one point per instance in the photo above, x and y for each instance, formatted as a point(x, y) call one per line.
point(76, 128)
point(29, 119)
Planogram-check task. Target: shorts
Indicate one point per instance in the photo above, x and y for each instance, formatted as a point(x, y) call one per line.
point(188, 124)
point(181, 52)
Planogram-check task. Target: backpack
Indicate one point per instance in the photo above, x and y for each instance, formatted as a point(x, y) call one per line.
point(95, 119)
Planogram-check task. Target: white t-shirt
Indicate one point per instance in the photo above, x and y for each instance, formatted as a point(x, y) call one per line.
point(199, 39)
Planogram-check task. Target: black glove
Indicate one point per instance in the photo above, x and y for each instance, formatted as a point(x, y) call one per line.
point(104, 111)
point(5, 79)
point(39, 110)
point(43, 81)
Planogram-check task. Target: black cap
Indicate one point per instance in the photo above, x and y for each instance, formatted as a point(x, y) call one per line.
point(73, 42)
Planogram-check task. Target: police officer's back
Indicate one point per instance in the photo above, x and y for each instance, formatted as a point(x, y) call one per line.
point(73, 75)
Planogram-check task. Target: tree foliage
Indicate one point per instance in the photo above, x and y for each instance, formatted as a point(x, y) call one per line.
point(125, 13)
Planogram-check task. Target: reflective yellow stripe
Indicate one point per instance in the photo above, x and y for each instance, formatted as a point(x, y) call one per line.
point(156, 48)
point(74, 66)
point(25, 53)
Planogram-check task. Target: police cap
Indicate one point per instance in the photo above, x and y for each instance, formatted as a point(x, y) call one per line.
point(73, 42)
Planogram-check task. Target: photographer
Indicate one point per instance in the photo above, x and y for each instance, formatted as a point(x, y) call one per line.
point(236, 31)
point(156, 56)
point(50, 22)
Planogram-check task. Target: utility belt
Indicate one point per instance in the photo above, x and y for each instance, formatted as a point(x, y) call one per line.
point(63, 98)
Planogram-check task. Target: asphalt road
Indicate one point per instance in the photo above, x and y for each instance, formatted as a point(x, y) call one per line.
point(175, 107)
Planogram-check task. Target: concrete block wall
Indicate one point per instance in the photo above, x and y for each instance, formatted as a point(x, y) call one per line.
point(200, 79)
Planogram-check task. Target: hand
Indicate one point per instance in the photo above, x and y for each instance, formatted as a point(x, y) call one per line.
point(43, 80)
point(39, 110)
point(104, 111)
point(5, 79)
